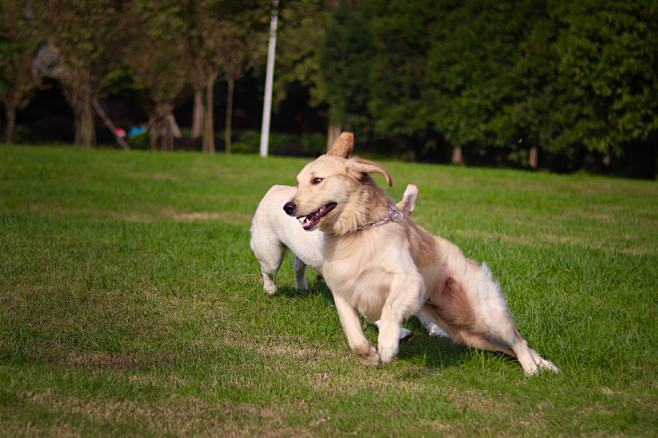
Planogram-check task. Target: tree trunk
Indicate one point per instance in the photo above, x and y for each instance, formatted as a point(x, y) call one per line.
point(164, 131)
point(108, 123)
point(76, 128)
point(533, 159)
point(333, 131)
point(209, 128)
point(197, 117)
point(457, 155)
point(153, 140)
point(167, 140)
point(87, 136)
point(229, 115)
point(10, 112)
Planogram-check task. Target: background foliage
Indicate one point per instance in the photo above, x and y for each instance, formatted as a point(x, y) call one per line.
point(576, 79)
point(560, 84)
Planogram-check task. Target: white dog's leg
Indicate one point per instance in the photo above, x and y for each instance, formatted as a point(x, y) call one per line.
point(300, 270)
point(432, 327)
point(349, 319)
point(405, 299)
point(269, 285)
point(270, 255)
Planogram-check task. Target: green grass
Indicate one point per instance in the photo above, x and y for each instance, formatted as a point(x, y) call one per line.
point(131, 305)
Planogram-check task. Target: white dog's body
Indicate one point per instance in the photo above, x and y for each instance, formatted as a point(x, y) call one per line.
point(395, 269)
point(272, 231)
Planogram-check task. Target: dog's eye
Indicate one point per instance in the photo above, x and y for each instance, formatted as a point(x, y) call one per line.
point(316, 181)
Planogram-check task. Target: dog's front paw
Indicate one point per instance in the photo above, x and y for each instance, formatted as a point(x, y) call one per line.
point(369, 357)
point(388, 353)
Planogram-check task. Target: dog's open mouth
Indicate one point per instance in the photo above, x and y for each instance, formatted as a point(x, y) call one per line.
point(310, 221)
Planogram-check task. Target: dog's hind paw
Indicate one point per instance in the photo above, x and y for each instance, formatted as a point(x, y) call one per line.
point(301, 284)
point(538, 365)
point(268, 283)
point(543, 364)
point(546, 364)
point(435, 330)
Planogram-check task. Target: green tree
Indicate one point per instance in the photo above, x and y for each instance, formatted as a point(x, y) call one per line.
point(210, 26)
point(345, 58)
point(88, 36)
point(18, 47)
point(159, 62)
point(243, 43)
point(607, 55)
point(472, 75)
point(302, 33)
point(571, 81)
point(402, 100)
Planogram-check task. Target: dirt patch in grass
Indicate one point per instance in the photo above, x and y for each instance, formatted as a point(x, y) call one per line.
point(551, 239)
point(182, 416)
point(232, 217)
point(156, 176)
point(118, 361)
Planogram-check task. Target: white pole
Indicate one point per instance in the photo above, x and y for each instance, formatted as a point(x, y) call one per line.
point(269, 77)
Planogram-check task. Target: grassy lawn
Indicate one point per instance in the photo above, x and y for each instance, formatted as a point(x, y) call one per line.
point(132, 305)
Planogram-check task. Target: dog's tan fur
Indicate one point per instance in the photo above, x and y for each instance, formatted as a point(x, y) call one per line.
point(395, 270)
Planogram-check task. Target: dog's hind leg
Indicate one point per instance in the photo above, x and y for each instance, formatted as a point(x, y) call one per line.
point(351, 323)
point(530, 360)
point(515, 346)
point(472, 309)
point(270, 255)
point(430, 325)
point(501, 329)
point(300, 278)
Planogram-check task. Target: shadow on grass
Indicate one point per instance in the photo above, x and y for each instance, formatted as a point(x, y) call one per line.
point(432, 352)
point(316, 287)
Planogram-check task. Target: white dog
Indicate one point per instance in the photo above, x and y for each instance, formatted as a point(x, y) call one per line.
point(272, 231)
point(384, 266)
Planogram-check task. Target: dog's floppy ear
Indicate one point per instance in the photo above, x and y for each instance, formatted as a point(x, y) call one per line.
point(343, 146)
point(358, 165)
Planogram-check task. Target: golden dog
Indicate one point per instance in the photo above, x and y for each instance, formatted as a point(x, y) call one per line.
point(381, 264)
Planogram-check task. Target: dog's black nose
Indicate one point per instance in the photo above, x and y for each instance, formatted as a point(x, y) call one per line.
point(290, 208)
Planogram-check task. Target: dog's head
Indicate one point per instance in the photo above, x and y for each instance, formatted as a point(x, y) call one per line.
point(333, 186)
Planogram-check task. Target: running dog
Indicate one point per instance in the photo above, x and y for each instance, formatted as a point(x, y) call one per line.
point(272, 231)
point(378, 262)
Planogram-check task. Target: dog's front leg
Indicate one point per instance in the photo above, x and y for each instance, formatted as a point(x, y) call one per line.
point(349, 319)
point(405, 299)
